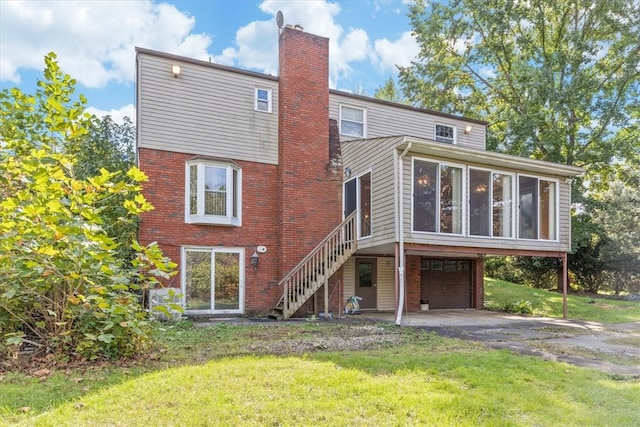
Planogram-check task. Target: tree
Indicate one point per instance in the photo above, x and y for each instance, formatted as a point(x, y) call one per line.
point(109, 145)
point(390, 92)
point(557, 80)
point(63, 289)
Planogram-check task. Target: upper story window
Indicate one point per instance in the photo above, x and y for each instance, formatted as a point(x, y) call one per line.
point(263, 100)
point(490, 203)
point(538, 208)
point(213, 193)
point(437, 197)
point(353, 121)
point(445, 134)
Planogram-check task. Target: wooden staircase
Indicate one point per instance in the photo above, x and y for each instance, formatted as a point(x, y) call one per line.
point(316, 268)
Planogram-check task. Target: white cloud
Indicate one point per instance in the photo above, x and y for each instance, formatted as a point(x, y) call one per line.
point(257, 43)
point(117, 115)
point(391, 53)
point(94, 40)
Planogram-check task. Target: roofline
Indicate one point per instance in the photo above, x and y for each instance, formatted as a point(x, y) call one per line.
point(455, 152)
point(200, 62)
point(488, 157)
point(184, 59)
point(406, 107)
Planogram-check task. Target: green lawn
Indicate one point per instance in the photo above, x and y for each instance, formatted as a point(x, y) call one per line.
point(255, 375)
point(549, 303)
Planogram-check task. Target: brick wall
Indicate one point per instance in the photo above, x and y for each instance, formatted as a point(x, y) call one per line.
point(289, 208)
point(412, 282)
point(166, 225)
point(310, 203)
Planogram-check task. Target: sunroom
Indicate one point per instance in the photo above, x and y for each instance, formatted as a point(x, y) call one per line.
point(435, 210)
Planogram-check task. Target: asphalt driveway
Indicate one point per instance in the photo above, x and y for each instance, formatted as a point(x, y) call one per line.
point(611, 348)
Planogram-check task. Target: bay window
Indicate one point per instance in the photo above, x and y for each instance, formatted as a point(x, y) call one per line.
point(213, 193)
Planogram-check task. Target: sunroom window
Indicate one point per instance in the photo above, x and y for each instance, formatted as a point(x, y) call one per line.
point(490, 203)
point(213, 193)
point(538, 208)
point(437, 197)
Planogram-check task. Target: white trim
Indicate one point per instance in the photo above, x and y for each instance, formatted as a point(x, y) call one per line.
point(513, 213)
point(359, 203)
point(557, 208)
point(363, 123)
point(464, 199)
point(233, 194)
point(444, 140)
point(213, 250)
point(256, 100)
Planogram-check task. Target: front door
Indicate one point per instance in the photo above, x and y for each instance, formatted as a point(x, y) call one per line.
point(366, 285)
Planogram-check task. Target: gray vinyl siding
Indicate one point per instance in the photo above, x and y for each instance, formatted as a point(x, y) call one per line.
point(564, 224)
point(360, 157)
point(206, 110)
point(386, 278)
point(385, 119)
point(349, 275)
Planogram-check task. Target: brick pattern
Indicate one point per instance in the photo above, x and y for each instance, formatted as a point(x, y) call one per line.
point(309, 187)
point(412, 282)
point(289, 208)
point(166, 225)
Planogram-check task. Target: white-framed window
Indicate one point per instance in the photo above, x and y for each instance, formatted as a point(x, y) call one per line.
point(212, 279)
point(491, 203)
point(263, 100)
point(353, 121)
point(357, 195)
point(445, 133)
point(537, 208)
point(438, 195)
point(213, 193)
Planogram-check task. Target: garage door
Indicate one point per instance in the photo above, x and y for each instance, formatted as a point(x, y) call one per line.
point(445, 283)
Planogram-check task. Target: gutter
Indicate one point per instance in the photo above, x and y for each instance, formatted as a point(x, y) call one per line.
point(401, 279)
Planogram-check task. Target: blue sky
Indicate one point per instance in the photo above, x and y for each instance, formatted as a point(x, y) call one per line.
point(95, 40)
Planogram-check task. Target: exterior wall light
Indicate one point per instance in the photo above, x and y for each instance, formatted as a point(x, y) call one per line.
point(467, 129)
point(254, 259)
point(347, 172)
point(175, 69)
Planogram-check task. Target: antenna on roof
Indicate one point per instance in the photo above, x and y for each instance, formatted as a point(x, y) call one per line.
point(279, 19)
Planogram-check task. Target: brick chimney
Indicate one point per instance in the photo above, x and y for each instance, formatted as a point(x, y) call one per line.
point(309, 188)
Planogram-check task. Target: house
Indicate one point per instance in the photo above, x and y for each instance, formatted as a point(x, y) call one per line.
point(280, 195)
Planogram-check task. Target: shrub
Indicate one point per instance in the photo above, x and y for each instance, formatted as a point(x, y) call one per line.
point(519, 307)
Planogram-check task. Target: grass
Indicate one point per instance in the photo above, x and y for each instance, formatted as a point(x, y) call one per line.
point(269, 374)
point(546, 303)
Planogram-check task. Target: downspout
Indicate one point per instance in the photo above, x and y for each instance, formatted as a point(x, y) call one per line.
point(401, 284)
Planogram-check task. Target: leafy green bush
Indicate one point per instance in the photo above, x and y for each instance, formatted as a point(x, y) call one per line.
point(519, 307)
point(63, 287)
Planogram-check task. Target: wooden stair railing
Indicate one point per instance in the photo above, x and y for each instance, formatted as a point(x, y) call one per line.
point(316, 268)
